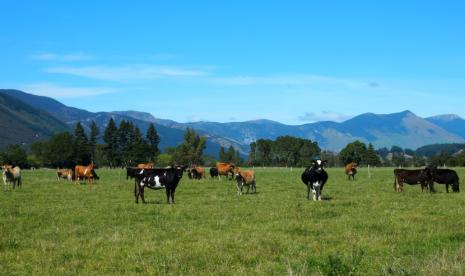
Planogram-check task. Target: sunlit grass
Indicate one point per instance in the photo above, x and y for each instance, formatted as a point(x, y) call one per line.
point(56, 227)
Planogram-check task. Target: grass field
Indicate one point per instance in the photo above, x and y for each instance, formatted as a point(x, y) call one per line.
point(364, 227)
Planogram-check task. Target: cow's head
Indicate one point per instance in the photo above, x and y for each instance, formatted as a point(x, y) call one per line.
point(178, 170)
point(318, 165)
point(455, 187)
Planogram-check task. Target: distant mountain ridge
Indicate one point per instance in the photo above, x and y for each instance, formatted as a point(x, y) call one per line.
point(403, 129)
point(21, 123)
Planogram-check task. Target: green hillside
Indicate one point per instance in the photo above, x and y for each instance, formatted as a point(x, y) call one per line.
point(21, 123)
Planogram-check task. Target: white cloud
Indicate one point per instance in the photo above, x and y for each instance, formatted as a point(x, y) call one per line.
point(45, 56)
point(323, 116)
point(127, 73)
point(57, 91)
point(290, 80)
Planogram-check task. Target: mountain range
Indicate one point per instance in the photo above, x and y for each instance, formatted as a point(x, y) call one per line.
point(29, 118)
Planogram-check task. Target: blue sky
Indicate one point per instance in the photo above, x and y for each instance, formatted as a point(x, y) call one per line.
point(291, 61)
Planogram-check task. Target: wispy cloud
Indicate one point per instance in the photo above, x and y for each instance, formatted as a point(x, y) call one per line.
point(289, 80)
point(128, 72)
point(46, 56)
point(58, 91)
point(323, 116)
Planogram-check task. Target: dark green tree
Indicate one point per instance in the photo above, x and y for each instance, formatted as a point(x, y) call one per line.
point(110, 138)
point(371, 157)
point(153, 140)
point(353, 152)
point(94, 132)
point(82, 151)
point(14, 155)
point(191, 150)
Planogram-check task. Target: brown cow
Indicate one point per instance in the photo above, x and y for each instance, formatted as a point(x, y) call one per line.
point(11, 175)
point(225, 169)
point(145, 165)
point(84, 172)
point(413, 177)
point(65, 174)
point(245, 177)
point(351, 170)
point(196, 173)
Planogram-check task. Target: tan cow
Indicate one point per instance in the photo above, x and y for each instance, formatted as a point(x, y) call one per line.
point(247, 178)
point(65, 174)
point(145, 165)
point(11, 175)
point(84, 172)
point(225, 169)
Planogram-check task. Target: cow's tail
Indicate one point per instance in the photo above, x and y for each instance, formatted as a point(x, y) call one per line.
point(395, 184)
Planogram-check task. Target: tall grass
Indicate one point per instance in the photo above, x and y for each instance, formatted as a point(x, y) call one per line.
point(364, 227)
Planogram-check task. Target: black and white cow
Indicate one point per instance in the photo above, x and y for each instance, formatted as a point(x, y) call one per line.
point(315, 178)
point(158, 178)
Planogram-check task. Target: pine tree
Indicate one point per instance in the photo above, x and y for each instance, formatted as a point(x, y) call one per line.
point(94, 132)
point(81, 146)
point(110, 137)
point(153, 140)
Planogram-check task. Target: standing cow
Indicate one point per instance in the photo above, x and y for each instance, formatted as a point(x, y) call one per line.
point(225, 169)
point(85, 173)
point(213, 172)
point(315, 178)
point(413, 177)
point(351, 170)
point(245, 178)
point(158, 178)
point(448, 177)
point(12, 175)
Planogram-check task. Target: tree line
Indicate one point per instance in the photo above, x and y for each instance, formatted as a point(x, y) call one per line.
point(125, 145)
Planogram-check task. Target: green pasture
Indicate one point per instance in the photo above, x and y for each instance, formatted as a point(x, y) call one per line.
point(363, 227)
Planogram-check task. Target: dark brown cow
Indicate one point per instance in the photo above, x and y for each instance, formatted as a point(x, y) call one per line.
point(351, 170)
point(225, 169)
point(85, 172)
point(413, 177)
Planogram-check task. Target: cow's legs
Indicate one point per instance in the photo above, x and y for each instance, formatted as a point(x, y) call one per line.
point(168, 191)
point(141, 193)
point(308, 191)
point(172, 195)
point(317, 191)
point(136, 191)
point(447, 188)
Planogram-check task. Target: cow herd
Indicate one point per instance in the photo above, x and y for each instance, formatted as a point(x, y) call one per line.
point(314, 177)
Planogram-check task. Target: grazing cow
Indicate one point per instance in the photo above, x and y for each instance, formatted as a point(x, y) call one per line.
point(413, 177)
point(246, 177)
point(85, 172)
point(158, 178)
point(196, 173)
point(12, 175)
point(145, 165)
point(351, 170)
point(225, 169)
point(315, 178)
point(213, 172)
point(448, 177)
